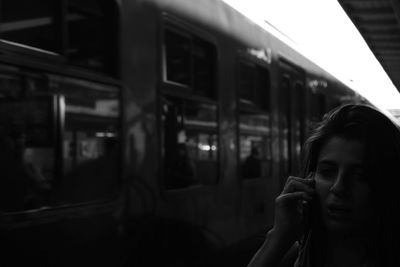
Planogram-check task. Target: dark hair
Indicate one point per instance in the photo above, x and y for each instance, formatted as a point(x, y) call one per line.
point(357, 122)
point(381, 138)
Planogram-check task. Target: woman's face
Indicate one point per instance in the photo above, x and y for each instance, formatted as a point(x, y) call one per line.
point(344, 196)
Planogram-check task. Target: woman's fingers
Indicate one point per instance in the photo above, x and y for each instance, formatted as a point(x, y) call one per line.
point(291, 213)
point(296, 184)
point(292, 206)
point(295, 196)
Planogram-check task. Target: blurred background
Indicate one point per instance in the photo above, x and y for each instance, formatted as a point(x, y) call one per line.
point(159, 132)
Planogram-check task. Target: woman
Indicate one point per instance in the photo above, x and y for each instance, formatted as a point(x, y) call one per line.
point(344, 212)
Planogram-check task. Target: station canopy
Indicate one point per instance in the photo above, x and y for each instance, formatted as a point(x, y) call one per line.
point(378, 21)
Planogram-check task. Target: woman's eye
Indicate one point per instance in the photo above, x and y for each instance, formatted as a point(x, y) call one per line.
point(326, 172)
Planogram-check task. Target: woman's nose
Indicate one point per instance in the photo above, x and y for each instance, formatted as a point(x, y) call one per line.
point(339, 186)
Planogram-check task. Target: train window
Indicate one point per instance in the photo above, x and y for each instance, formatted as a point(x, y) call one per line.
point(91, 33)
point(254, 85)
point(30, 23)
point(254, 122)
point(190, 142)
point(190, 62)
point(11, 85)
point(56, 152)
point(82, 32)
point(178, 58)
point(27, 155)
point(90, 141)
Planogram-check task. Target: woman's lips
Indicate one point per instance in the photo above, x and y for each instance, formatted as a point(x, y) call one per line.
point(338, 211)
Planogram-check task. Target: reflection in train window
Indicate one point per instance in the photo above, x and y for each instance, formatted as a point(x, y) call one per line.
point(190, 142)
point(254, 122)
point(190, 62)
point(255, 145)
point(56, 152)
point(90, 141)
point(11, 85)
point(27, 155)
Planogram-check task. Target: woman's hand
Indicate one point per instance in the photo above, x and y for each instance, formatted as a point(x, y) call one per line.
point(290, 222)
point(291, 208)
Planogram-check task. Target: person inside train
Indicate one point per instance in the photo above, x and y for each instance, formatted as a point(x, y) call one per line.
point(22, 185)
point(252, 165)
point(341, 212)
point(181, 172)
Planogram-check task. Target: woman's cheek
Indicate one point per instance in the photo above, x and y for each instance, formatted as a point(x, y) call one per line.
point(322, 187)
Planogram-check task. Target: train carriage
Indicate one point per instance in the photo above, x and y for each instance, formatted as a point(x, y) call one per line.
point(138, 132)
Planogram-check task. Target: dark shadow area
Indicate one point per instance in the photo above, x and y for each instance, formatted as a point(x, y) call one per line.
point(155, 241)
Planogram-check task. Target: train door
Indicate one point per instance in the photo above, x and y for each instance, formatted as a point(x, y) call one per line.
point(292, 102)
point(254, 119)
point(189, 108)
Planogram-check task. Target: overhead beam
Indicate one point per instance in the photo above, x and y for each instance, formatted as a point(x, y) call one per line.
point(396, 9)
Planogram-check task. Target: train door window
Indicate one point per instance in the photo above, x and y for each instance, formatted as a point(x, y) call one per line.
point(30, 23)
point(190, 142)
point(254, 120)
point(190, 62)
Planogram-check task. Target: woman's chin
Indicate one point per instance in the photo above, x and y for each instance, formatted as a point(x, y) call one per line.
point(339, 226)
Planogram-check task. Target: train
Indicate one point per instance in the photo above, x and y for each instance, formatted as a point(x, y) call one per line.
point(144, 132)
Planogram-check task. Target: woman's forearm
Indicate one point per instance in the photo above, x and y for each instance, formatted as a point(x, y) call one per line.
point(272, 251)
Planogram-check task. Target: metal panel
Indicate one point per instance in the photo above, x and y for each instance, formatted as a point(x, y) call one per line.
point(378, 21)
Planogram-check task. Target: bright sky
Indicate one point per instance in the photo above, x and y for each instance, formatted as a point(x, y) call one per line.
point(322, 30)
